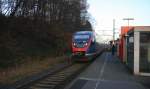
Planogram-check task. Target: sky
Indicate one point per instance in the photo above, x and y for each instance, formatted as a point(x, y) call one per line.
point(104, 11)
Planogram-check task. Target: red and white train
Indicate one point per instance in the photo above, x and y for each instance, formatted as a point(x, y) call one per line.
point(84, 45)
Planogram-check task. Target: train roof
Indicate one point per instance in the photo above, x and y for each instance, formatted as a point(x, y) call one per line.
point(84, 32)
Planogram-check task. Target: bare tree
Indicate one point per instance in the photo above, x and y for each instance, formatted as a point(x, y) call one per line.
point(0, 6)
point(68, 12)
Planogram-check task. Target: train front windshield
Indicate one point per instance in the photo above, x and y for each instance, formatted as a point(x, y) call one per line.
point(81, 38)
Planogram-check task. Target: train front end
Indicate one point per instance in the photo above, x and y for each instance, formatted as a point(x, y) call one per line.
point(82, 46)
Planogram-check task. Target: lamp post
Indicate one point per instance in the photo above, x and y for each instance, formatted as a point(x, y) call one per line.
point(113, 29)
point(128, 19)
point(126, 37)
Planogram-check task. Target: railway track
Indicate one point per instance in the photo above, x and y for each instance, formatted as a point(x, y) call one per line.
point(58, 79)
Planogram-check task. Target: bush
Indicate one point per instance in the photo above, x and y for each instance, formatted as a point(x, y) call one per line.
point(22, 37)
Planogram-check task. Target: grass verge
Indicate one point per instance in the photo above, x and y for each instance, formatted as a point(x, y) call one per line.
point(11, 75)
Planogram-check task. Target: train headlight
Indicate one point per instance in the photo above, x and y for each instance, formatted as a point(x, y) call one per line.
point(74, 44)
point(86, 44)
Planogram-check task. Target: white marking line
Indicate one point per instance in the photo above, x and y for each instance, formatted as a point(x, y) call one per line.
point(90, 79)
point(101, 72)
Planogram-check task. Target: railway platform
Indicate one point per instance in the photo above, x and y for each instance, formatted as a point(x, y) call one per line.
point(107, 72)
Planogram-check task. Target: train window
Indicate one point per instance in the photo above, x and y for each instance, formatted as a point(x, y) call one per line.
point(81, 37)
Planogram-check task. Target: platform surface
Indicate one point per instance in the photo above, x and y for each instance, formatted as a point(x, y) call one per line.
point(106, 72)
